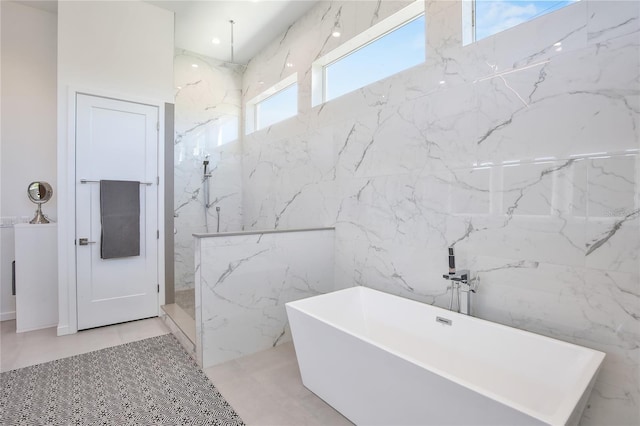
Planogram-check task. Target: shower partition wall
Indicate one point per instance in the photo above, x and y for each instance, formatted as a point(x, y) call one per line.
point(241, 310)
point(207, 111)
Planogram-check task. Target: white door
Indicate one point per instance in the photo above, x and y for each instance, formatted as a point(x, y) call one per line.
point(115, 140)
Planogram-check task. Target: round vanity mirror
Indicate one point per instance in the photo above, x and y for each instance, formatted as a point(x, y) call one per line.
point(39, 193)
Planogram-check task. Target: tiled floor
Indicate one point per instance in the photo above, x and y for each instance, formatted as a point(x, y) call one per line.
point(264, 388)
point(19, 350)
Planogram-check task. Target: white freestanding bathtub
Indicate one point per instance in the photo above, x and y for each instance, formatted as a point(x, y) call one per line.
point(380, 359)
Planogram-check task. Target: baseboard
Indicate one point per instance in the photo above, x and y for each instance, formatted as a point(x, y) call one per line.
point(7, 316)
point(63, 330)
point(26, 330)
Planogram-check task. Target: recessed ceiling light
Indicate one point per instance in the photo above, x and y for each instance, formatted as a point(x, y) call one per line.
point(194, 65)
point(442, 82)
point(215, 40)
point(336, 30)
point(289, 64)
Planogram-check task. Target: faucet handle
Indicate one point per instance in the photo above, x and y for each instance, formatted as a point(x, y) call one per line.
point(462, 275)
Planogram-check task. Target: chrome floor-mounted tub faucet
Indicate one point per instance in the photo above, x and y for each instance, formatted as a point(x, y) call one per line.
point(460, 282)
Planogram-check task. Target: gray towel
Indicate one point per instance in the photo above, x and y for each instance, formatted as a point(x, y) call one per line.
point(120, 218)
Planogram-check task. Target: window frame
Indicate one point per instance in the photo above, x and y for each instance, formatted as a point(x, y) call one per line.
point(408, 14)
point(470, 17)
point(253, 105)
point(261, 102)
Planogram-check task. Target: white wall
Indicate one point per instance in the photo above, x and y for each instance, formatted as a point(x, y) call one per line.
point(504, 167)
point(113, 48)
point(28, 150)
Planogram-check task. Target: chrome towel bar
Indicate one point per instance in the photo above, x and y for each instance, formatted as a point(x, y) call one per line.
point(97, 181)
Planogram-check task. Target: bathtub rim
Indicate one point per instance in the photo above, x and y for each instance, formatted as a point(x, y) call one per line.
point(567, 406)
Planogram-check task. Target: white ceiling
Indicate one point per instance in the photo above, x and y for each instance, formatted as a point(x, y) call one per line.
point(257, 23)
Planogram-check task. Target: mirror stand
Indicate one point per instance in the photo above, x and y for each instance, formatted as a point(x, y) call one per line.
point(39, 193)
point(39, 217)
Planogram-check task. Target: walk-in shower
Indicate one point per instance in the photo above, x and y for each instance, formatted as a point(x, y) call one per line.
point(207, 160)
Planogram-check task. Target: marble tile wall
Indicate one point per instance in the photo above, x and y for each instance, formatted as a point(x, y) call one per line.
point(519, 151)
point(243, 282)
point(207, 111)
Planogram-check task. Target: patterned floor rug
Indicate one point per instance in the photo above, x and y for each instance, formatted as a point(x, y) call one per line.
point(149, 382)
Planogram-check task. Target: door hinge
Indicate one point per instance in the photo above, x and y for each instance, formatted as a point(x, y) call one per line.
point(158, 234)
point(158, 288)
point(158, 126)
point(157, 180)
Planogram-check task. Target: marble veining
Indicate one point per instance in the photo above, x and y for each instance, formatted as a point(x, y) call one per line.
point(592, 246)
point(208, 105)
point(243, 282)
point(522, 150)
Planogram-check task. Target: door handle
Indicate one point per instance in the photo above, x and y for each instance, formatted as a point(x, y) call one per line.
point(85, 242)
